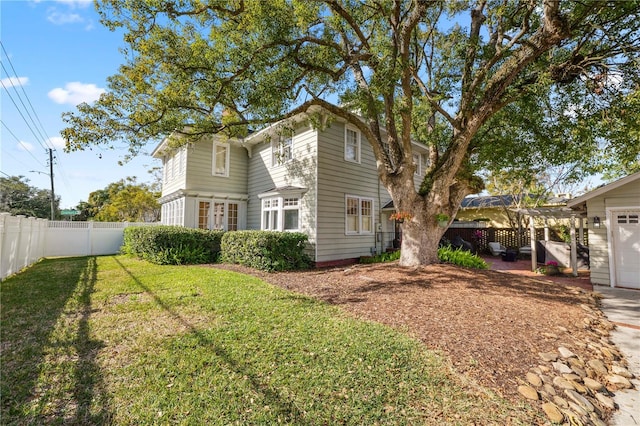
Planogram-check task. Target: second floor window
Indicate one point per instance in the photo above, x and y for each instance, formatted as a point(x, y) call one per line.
point(351, 144)
point(220, 159)
point(281, 150)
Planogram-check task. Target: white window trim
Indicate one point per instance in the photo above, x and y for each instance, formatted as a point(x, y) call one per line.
point(225, 213)
point(418, 163)
point(358, 159)
point(281, 208)
point(226, 161)
point(360, 200)
point(277, 151)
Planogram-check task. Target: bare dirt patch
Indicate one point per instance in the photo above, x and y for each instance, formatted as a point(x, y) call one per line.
point(492, 325)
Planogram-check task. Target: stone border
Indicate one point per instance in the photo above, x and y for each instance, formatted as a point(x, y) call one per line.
point(579, 390)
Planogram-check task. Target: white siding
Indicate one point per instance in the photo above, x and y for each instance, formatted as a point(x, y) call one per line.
point(173, 171)
point(200, 169)
point(336, 179)
point(625, 196)
point(299, 172)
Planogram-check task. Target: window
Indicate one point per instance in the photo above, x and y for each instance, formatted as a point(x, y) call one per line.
point(290, 214)
point(417, 162)
point(203, 214)
point(232, 217)
point(281, 150)
point(220, 159)
point(351, 144)
point(281, 214)
point(359, 215)
point(218, 216)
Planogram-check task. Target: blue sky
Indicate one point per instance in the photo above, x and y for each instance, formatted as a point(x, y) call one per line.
point(61, 55)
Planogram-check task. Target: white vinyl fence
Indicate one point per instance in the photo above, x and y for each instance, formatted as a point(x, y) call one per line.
point(24, 241)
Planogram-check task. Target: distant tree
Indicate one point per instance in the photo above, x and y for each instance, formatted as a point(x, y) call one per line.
point(19, 198)
point(124, 200)
point(478, 82)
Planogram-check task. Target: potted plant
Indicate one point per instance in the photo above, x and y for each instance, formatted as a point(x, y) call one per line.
point(442, 219)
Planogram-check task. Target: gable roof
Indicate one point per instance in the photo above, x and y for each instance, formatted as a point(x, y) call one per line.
point(579, 202)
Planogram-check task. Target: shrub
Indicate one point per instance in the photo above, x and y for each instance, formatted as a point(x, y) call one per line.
point(266, 250)
point(461, 257)
point(172, 245)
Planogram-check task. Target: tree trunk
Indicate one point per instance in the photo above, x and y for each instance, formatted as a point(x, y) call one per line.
point(420, 239)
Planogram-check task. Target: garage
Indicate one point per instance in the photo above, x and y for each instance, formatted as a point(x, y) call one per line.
point(613, 217)
point(625, 235)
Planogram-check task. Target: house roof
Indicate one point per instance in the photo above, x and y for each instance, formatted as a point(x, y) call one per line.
point(257, 137)
point(555, 212)
point(488, 201)
point(580, 202)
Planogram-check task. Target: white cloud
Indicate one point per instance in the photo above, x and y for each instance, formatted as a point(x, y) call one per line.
point(62, 18)
point(75, 93)
point(82, 4)
point(66, 13)
point(14, 81)
point(25, 146)
point(57, 142)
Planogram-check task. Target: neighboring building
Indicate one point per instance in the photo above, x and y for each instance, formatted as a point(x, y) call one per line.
point(287, 177)
point(492, 208)
point(614, 232)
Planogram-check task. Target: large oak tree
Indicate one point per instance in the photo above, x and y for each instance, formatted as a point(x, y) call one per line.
point(482, 83)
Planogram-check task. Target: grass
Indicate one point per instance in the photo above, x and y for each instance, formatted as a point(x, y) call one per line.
point(114, 340)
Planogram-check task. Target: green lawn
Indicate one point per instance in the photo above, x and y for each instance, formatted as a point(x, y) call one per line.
point(114, 340)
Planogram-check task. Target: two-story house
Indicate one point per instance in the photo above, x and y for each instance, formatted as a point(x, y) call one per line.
point(291, 176)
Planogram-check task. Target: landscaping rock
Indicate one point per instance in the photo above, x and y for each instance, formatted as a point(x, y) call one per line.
point(621, 371)
point(578, 409)
point(579, 399)
point(579, 371)
point(572, 376)
point(562, 383)
point(552, 412)
point(561, 367)
point(549, 389)
point(560, 401)
point(592, 384)
point(606, 401)
point(528, 392)
point(548, 356)
point(534, 379)
point(566, 353)
point(619, 381)
point(578, 386)
point(598, 366)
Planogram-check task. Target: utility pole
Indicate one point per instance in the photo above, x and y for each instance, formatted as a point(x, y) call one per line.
point(53, 194)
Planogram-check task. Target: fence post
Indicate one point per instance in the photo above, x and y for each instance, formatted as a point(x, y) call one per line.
point(3, 230)
point(534, 253)
point(90, 239)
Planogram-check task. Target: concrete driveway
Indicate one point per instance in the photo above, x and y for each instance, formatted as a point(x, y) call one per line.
point(622, 307)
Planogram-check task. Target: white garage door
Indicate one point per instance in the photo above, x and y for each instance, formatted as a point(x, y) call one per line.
point(626, 247)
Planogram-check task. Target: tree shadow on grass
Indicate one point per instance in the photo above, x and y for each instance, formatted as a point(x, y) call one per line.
point(49, 372)
point(279, 404)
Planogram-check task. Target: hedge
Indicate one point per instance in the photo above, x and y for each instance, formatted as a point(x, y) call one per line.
point(266, 250)
point(172, 245)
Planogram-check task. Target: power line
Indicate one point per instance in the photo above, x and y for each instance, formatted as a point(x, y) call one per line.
point(42, 138)
point(26, 148)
